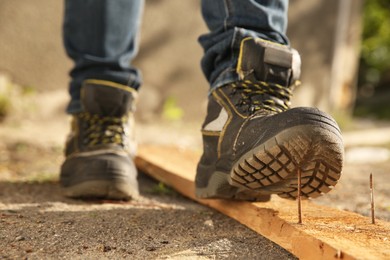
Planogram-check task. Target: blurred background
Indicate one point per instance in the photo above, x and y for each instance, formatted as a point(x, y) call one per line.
point(345, 49)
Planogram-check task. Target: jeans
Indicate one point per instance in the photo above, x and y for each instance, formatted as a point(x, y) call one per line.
point(100, 36)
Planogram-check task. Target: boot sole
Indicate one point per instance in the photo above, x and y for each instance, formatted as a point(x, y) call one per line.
point(103, 189)
point(219, 188)
point(272, 167)
point(99, 175)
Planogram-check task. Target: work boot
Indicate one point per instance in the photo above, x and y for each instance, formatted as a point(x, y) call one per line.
point(99, 150)
point(254, 144)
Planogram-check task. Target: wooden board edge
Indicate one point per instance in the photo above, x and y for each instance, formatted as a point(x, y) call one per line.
point(264, 221)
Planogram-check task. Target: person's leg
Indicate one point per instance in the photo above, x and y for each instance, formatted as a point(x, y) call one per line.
point(229, 22)
point(101, 38)
point(254, 144)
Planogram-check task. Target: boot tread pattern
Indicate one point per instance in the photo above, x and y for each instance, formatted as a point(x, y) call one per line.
point(273, 166)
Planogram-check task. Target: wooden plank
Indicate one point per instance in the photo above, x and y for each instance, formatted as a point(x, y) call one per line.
point(326, 233)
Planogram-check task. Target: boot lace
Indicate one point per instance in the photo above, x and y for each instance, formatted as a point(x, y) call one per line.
point(103, 130)
point(259, 95)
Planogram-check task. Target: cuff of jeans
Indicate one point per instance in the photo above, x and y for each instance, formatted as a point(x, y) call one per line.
point(227, 76)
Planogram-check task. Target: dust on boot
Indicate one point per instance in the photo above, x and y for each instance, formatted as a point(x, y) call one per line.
point(254, 143)
point(99, 150)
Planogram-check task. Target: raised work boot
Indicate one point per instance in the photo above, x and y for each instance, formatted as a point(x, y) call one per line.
point(254, 144)
point(99, 150)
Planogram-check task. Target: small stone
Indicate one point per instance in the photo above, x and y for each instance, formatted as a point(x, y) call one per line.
point(349, 228)
point(20, 238)
point(209, 223)
point(106, 248)
point(151, 248)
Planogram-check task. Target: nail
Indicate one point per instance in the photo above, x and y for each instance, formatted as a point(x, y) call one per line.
point(299, 198)
point(372, 200)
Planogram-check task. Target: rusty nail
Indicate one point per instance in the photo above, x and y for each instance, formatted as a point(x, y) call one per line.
point(372, 200)
point(299, 198)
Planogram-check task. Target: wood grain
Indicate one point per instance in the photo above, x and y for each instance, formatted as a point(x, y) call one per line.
point(326, 233)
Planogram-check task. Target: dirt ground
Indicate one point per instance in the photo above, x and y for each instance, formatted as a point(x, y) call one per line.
point(37, 222)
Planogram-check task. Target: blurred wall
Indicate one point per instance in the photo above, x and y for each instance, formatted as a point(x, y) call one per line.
point(32, 54)
point(31, 45)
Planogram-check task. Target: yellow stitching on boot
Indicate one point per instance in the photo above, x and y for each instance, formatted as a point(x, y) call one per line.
point(211, 133)
point(233, 106)
point(111, 84)
point(239, 63)
point(230, 117)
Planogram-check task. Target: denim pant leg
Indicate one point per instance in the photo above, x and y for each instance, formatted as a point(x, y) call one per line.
point(229, 21)
point(100, 36)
